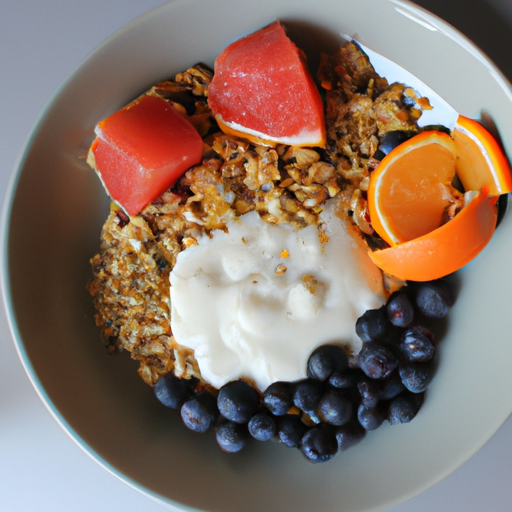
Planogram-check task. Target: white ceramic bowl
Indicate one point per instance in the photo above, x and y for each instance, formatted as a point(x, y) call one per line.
point(51, 226)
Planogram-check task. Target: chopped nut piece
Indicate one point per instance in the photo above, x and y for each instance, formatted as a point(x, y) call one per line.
point(280, 269)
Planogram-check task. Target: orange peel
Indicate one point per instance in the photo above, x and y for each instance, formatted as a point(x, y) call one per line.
point(444, 250)
point(480, 160)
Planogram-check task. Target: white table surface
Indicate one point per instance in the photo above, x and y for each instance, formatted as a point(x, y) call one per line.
point(41, 468)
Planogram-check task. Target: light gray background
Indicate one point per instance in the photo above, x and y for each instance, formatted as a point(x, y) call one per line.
point(41, 469)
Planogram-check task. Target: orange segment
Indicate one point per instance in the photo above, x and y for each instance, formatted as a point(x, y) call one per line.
point(480, 160)
point(444, 250)
point(410, 190)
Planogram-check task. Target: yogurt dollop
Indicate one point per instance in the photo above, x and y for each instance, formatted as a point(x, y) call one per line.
point(256, 301)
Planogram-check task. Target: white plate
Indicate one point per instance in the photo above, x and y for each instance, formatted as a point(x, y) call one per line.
point(51, 229)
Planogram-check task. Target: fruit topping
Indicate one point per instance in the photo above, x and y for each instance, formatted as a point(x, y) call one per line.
point(373, 325)
point(199, 412)
point(434, 299)
point(307, 395)
point(141, 150)
point(411, 200)
point(319, 444)
point(416, 377)
point(371, 391)
point(238, 401)
point(416, 346)
point(172, 391)
point(445, 249)
point(370, 418)
point(325, 360)
point(399, 309)
point(262, 427)
point(231, 436)
point(377, 360)
point(480, 160)
point(349, 435)
point(278, 398)
point(404, 407)
point(343, 380)
point(334, 408)
point(411, 190)
point(290, 430)
point(263, 90)
point(392, 386)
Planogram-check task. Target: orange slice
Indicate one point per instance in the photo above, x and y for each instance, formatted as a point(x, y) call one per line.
point(480, 160)
point(262, 89)
point(444, 250)
point(410, 190)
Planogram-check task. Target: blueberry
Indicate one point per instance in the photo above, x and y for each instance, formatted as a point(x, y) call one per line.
point(199, 411)
point(172, 391)
point(307, 394)
point(404, 407)
point(345, 379)
point(278, 397)
point(392, 386)
point(435, 298)
point(370, 418)
point(373, 325)
point(290, 430)
point(416, 346)
point(325, 360)
point(349, 435)
point(334, 408)
point(424, 331)
point(238, 401)
point(399, 309)
point(392, 139)
point(262, 427)
point(370, 391)
point(376, 360)
point(231, 436)
point(416, 376)
point(319, 444)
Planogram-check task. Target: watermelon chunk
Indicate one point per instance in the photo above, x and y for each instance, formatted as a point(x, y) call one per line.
point(141, 150)
point(262, 88)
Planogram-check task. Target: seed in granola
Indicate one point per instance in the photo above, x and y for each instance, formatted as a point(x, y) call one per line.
point(121, 219)
point(280, 269)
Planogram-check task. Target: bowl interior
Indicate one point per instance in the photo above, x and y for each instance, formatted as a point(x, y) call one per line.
point(52, 223)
